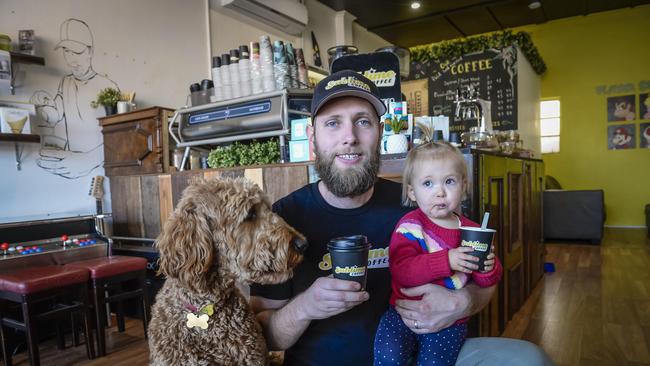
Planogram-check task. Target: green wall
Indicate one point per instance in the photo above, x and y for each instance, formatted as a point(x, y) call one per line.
point(582, 53)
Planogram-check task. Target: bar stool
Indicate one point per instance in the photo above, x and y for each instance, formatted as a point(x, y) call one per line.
point(35, 285)
point(108, 275)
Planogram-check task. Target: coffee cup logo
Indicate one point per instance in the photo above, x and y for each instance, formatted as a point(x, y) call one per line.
point(477, 245)
point(352, 271)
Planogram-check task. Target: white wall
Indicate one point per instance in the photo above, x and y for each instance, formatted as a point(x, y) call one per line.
point(528, 95)
point(365, 41)
point(155, 47)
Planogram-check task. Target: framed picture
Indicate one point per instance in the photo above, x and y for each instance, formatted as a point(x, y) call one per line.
point(644, 135)
point(621, 108)
point(621, 137)
point(644, 106)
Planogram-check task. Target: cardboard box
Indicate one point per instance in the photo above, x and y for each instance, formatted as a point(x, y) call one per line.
point(14, 120)
point(300, 151)
point(299, 129)
point(417, 96)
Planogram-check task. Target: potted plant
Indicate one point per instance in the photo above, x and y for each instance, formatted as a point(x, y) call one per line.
point(108, 98)
point(397, 142)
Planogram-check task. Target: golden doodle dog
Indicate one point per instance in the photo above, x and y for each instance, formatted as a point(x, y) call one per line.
point(221, 232)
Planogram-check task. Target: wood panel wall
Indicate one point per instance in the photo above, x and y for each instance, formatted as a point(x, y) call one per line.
point(142, 203)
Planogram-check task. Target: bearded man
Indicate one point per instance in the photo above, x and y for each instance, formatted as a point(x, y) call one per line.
point(320, 320)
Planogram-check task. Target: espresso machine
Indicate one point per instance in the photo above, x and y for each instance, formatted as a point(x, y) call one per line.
point(470, 106)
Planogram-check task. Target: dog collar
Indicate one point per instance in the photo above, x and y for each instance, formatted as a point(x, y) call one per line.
point(199, 317)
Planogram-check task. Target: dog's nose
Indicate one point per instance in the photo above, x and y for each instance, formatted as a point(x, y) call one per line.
point(299, 244)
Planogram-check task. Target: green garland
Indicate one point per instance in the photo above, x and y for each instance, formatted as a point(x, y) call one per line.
point(448, 50)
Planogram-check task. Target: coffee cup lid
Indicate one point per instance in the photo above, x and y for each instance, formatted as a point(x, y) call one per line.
point(471, 228)
point(351, 241)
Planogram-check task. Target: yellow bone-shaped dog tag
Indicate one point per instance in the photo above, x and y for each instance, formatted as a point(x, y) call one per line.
point(197, 321)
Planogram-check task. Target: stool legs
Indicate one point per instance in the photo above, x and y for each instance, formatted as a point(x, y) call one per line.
point(100, 315)
point(88, 330)
point(31, 332)
point(145, 302)
point(6, 353)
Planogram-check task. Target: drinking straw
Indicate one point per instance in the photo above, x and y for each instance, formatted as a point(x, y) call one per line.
point(486, 217)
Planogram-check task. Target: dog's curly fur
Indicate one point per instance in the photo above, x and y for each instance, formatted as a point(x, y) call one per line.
point(221, 232)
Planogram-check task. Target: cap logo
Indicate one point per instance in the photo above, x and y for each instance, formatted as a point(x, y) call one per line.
point(349, 81)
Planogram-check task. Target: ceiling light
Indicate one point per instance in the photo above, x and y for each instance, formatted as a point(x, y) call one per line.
point(415, 5)
point(534, 4)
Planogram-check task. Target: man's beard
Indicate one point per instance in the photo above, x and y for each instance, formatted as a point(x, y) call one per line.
point(348, 182)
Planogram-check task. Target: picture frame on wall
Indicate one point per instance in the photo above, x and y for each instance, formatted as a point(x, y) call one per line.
point(621, 108)
point(644, 135)
point(621, 137)
point(644, 106)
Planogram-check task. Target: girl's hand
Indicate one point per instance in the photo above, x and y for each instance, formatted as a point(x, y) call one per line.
point(462, 262)
point(488, 265)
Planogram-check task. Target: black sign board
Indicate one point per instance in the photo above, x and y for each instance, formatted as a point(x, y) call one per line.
point(492, 72)
point(380, 67)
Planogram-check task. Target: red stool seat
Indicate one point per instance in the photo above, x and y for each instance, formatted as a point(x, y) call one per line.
point(40, 285)
point(110, 266)
point(32, 280)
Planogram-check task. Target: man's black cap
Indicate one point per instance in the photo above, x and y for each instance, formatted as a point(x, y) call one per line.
point(346, 83)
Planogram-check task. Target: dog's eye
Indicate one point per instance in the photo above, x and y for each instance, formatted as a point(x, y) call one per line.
point(252, 214)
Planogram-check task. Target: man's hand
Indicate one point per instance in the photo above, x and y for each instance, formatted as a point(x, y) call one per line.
point(285, 321)
point(328, 296)
point(460, 261)
point(438, 309)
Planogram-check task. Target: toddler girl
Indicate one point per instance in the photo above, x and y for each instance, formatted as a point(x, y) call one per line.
point(425, 248)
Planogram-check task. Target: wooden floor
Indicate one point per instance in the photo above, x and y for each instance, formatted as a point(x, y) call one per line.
point(594, 310)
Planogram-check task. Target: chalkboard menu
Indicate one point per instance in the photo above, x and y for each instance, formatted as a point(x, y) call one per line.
point(492, 72)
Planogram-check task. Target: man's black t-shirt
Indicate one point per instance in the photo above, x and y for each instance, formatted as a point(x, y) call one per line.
point(345, 339)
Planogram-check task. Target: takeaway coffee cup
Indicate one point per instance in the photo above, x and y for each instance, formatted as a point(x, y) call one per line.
point(480, 240)
point(349, 256)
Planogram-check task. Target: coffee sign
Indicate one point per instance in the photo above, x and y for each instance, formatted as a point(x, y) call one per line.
point(492, 72)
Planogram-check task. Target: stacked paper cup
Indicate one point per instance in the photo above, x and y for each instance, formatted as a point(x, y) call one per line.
point(256, 71)
point(216, 79)
point(280, 66)
point(293, 67)
point(303, 81)
point(266, 63)
point(234, 73)
point(225, 76)
point(244, 71)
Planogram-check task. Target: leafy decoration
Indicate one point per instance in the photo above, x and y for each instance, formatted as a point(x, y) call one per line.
point(242, 154)
point(449, 50)
point(396, 124)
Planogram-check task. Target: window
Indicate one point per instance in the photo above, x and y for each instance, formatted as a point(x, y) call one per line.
point(550, 125)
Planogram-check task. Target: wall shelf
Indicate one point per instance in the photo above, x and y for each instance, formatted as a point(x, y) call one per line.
point(18, 58)
point(16, 138)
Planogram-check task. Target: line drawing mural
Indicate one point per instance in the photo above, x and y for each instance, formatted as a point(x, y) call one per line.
point(71, 139)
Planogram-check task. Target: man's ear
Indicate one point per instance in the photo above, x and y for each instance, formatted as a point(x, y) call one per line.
point(310, 136)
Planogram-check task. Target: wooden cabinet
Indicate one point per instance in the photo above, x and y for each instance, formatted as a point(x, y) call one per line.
point(136, 142)
point(511, 190)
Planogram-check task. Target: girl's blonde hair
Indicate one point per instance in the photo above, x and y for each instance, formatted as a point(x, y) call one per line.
point(434, 150)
